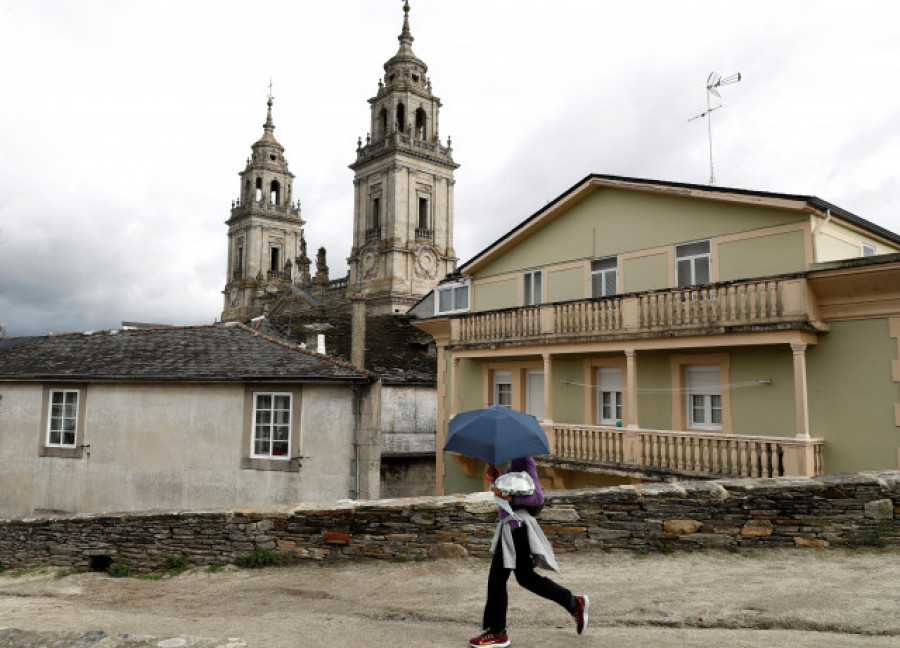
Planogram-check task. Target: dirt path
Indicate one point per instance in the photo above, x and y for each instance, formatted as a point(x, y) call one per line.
point(785, 598)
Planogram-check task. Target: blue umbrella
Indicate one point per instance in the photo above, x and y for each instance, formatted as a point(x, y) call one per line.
point(496, 434)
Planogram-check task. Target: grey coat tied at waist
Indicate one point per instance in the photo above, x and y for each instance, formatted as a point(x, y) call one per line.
point(537, 541)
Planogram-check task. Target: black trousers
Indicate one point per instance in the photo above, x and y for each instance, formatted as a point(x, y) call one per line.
point(497, 598)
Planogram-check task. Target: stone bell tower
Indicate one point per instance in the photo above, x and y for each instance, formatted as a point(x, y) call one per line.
point(264, 231)
point(403, 190)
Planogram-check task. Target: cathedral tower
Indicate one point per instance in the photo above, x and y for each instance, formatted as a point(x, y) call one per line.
point(264, 231)
point(403, 190)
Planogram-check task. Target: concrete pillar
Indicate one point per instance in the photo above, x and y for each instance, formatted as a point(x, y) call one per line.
point(358, 331)
point(631, 401)
point(548, 389)
point(801, 400)
point(454, 378)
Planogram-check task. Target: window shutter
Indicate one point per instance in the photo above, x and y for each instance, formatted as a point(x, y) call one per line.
point(701, 270)
point(684, 273)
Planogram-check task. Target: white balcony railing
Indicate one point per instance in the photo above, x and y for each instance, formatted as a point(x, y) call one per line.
point(700, 454)
point(762, 302)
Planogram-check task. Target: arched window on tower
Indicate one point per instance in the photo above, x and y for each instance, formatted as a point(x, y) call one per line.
point(401, 118)
point(274, 193)
point(382, 123)
point(420, 124)
point(258, 190)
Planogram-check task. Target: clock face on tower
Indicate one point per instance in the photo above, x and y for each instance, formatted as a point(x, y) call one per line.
point(369, 267)
point(426, 262)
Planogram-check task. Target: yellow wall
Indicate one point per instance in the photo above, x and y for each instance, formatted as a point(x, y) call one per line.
point(761, 255)
point(649, 272)
point(496, 294)
point(566, 284)
point(851, 396)
point(613, 221)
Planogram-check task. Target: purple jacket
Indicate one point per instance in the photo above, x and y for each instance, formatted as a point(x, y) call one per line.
point(525, 464)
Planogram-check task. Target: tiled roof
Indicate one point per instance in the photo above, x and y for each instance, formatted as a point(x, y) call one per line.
point(396, 351)
point(206, 353)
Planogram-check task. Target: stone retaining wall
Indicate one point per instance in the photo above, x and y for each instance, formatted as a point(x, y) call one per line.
point(830, 510)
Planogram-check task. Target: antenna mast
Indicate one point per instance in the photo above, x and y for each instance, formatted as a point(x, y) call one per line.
point(713, 82)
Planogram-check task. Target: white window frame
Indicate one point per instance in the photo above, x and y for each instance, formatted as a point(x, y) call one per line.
point(271, 424)
point(63, 418)
point(537, 410)
point(502, 386)
point(705, 396)
point(604, 269)
point(456, 290)
point(533, 287)
point(693, 260)
point(609, 384)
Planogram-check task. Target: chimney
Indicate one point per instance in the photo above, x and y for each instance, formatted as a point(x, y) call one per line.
point(358, 335)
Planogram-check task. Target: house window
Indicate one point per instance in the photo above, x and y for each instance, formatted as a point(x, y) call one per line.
point(604, 277)
point(609, 395)
point(63, 418)
point(534, 394)
point(271, 425)
point(704, 397)
point(868, 250)
point(451, 298)
point(693, 264)
point(503, 388)
point(532, 281)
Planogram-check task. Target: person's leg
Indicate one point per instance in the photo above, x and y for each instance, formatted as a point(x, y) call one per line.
point(534, 582)
point(497, 600)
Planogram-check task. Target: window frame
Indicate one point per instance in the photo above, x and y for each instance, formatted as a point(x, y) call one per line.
point(692, 260)
point(75, 450)
point(501, 378)
point(452, 288)
point(528, 287)
point(868, 250)
point(616, 397)
point(682, 416)
point(272, 423)
point(252, 460)
point(602, 272)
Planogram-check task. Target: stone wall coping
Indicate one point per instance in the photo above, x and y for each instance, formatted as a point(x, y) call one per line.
point(888, 481)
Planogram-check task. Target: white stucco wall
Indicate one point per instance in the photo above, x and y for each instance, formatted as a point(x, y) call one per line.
point(408, 418)
point(167, 446)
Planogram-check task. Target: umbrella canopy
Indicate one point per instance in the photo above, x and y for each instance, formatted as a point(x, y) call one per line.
point(496, 434)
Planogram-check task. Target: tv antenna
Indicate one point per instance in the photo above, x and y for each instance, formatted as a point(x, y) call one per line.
point(713, 83)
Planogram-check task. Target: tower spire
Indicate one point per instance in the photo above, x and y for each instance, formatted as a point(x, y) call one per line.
point(406, 38)
point(269, 126)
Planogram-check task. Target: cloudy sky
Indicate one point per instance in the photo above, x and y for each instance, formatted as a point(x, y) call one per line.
point(124, 123)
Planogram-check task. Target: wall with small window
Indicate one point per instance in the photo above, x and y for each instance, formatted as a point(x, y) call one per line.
point(140, 446)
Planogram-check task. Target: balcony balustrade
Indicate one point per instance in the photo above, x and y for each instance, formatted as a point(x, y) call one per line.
point(762, 302)
point(684, 454)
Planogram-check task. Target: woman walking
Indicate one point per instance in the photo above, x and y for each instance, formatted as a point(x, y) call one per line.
point(519, 545)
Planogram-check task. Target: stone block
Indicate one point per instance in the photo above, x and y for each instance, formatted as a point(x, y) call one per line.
point(559, 514)
point(816, 543)
point(681, 527)
point(757, 528)
point(879, 509)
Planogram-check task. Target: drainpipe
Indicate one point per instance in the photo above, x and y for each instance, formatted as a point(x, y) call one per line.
point(357, 401)
point(817, 231)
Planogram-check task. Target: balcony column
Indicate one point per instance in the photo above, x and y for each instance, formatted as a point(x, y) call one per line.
point(548, 389)
point(631, 413)
point(801, 401)
point(454, 379)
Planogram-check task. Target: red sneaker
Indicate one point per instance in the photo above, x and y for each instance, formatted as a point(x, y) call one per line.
point(580, 613)
point(489, 638)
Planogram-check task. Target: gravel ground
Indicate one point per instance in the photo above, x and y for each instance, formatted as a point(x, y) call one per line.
point(797, 598)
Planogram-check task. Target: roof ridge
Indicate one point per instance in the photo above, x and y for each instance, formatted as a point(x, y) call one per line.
point(296, 347)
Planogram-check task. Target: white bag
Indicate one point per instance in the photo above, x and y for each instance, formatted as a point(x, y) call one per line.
point(515, 483)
